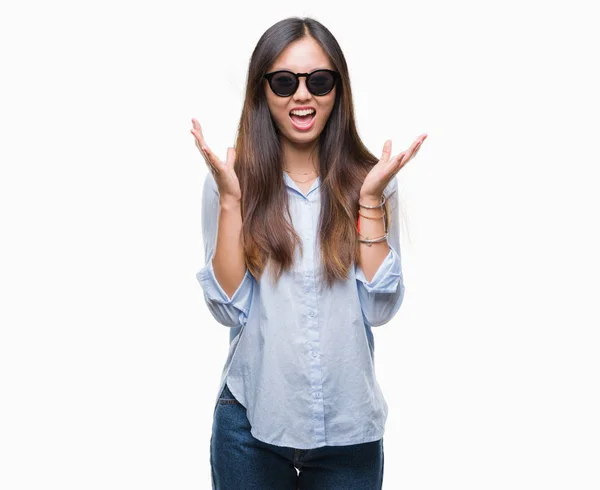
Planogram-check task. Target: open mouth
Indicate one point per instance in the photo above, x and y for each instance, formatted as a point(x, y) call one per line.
point(303, 122)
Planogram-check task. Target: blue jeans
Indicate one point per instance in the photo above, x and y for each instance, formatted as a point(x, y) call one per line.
point(239, 461)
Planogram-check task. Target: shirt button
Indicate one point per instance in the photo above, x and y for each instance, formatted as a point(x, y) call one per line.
point(318, 395)
point(312, 313)
point(307, 203)
point(314, 354)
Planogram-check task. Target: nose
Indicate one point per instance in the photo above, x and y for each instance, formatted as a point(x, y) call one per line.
point(302, 92)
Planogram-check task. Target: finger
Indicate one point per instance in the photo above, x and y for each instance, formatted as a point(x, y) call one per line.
point(410, 154)
point(196, 125)
point(196, 141)
point(209, 163)
point(206, 153)
point(200, 145)
point(197, 132)
point(392, 163)
point(404, 157)
point(419, 142)
point(416, 147)
point(213, 159)
point(198, 137)
point(387, 150)
point(401, 160)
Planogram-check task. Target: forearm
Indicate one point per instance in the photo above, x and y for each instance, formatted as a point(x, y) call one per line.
point(228, 260)
point(371, 257)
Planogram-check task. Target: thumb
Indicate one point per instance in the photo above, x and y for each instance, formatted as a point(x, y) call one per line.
point(387, 150)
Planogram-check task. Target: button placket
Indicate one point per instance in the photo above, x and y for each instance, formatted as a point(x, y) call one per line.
point(311, 315)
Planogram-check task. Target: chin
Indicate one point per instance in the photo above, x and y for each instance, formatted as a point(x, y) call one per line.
point(298, 137)
point(308, 138)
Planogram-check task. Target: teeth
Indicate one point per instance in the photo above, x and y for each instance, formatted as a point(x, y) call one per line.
point(302, 112)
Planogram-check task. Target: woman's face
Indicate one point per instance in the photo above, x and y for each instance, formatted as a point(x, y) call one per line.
point(302, 56)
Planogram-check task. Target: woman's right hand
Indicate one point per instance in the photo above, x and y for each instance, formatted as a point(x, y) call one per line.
point(224, 173)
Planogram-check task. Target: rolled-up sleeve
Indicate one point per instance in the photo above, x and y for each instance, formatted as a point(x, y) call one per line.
point(380, 298)
point(230, 312)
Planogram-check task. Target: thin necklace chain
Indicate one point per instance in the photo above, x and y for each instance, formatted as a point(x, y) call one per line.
point(303, 181)
point(301, 173)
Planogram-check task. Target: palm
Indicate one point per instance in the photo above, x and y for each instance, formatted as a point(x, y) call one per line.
point(379, 176)
point(224, 173)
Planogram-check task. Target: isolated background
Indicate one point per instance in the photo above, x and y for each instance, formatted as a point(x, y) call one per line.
point(109, 358)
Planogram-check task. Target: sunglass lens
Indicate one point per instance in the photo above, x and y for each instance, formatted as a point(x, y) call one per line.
point(283, 83)
point(321, 82)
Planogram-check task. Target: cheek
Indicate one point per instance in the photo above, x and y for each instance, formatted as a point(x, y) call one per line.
point(327, 107)
point(278, 110)
point(326, 113)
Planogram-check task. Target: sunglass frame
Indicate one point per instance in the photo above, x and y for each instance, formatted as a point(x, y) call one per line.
point(269, 76)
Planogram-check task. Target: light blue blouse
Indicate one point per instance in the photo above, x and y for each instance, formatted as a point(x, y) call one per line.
point(301, 356)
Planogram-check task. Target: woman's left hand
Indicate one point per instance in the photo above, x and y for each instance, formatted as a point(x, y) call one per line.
point(380, 175)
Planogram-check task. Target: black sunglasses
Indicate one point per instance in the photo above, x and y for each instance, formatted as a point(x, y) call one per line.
point(285, 83)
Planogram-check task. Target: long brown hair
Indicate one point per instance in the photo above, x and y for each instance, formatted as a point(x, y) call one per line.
point(344, 161)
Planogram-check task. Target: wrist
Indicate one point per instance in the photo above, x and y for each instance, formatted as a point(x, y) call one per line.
point(229, 202)
point(370, 199)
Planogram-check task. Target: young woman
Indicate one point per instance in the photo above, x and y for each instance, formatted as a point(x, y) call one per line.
point(302, 259)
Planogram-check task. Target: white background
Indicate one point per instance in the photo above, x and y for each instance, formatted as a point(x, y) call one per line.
point(109, 358)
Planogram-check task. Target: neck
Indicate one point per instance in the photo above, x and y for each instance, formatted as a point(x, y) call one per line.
point(300, 158)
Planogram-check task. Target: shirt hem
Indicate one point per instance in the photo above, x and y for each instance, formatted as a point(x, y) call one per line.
point(364, 440)
point(289, 444)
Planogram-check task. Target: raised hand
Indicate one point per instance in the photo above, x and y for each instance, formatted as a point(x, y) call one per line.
point(224, 173)
point(380, 175)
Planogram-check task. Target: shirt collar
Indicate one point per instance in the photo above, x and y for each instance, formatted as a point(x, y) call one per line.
point(289, 182)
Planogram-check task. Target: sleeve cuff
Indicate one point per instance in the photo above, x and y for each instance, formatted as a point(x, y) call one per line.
point(208, 281)
point(388, 275)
